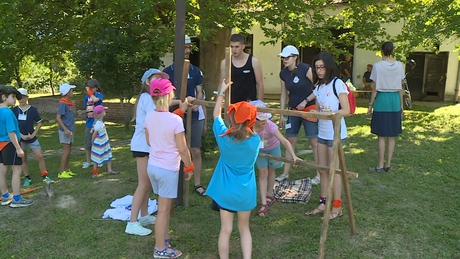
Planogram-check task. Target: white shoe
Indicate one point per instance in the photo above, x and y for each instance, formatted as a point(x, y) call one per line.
point(85, 165)
point(282, 177)
point(147, 220)
point(100, 165)
point(135, 228)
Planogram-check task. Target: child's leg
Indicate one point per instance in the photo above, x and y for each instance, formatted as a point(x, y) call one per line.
point(16, 179)
point(287, 166)
point(65, 157)
point(41, 160)
point(3, 172)
point(25, 166)
point(270, 181)
point(245, 233)
point(226, 221)
point(381, 145)
point(142, 193)
point(263, 175)
point(322, 160)
point(162, 223)
point(337, 187)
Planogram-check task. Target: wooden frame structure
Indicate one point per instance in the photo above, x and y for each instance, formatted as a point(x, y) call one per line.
point(337, 162)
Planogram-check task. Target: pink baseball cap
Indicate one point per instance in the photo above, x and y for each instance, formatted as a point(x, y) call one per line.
point(160, 87)
point(99, 109)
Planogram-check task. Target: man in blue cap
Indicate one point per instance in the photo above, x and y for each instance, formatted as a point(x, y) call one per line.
point(194, 89)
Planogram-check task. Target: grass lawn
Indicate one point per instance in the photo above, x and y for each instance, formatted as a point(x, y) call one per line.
point(410, 212)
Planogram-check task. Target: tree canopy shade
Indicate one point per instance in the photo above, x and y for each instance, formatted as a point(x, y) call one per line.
point(115, 41)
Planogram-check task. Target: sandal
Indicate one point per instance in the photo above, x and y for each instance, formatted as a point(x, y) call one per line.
point(165, 254)
point(263, 210)
point(270, 200)
point(335, 215)
point(387, 169)
point(376, 169)
point(315, 211)
point(113, 172)
point(315, 181)
point(201, 193)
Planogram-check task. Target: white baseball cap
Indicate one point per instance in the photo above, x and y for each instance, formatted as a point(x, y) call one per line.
point(23, 91)
point(288, 51)
point(65, 88)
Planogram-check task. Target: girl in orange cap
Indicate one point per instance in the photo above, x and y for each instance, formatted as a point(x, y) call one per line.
point(233, 184)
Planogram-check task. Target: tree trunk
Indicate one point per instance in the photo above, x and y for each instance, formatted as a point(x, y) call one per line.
point(126, 110)
point(212, 51)
point(51, 80)
point(17, 77)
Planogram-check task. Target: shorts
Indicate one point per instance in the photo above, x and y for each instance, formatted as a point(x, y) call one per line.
point(63, 139)
point(217, 207)
point(140, 154)
point(197, 132)
point(8, 155)
point(328, 143)
point(88, 139)
point(311, 128)
point(33, 146)
point(164, 182)
point(263, 162)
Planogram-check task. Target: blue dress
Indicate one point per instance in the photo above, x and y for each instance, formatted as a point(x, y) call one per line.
point(233, 184)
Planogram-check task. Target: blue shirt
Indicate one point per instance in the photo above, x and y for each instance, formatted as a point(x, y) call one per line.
point(233, 184)
point(67, 117)
point(89, 105)
point(194, 79)
point(8, 123)
point(26, 119)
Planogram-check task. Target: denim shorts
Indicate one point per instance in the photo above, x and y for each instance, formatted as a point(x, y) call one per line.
point(64, 139)
point(328, 143)
point(33, 146)
point(164, 182)
point(311, 128)
point(263, 162)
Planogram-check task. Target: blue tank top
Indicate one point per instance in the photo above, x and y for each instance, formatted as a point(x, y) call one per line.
point(298, 84)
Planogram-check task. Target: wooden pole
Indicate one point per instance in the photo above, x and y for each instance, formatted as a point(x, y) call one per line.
point(228, 78)
point(346, 189)
point(179, 51)
point(188, 122)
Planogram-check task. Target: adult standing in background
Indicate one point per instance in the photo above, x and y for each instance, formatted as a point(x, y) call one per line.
point(386, 105)
point(345, 69)
point(194, 89)
point(297, 78)
point(246, 73)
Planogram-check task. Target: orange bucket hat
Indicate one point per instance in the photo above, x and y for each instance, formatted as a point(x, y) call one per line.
point(244, 111)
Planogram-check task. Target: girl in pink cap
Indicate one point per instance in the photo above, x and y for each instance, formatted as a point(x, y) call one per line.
point(167, 149)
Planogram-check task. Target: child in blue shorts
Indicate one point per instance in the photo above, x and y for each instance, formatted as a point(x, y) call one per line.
point(270, 144)
point(10, 149)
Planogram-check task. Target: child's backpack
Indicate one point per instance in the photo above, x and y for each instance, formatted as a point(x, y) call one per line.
point(351, 97)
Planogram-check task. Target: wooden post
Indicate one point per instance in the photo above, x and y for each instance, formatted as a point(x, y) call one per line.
point(228, 78)
point(346, 189)
point(183, 96)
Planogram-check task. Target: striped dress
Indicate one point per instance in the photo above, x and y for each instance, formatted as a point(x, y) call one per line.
point(100, 150)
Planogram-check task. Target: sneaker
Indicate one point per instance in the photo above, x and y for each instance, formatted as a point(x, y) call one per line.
point(136, 229)
point(71, 173)
point(6, 201)
point(282, 177)
point(100, 165)
point(21, 203)
point(147, 220)
point(27, 182)
point(64, 175)
point(86, 165)
point(47, 180)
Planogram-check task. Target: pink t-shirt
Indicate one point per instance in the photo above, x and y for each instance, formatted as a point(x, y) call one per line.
point(162, 127)
point(267, 136)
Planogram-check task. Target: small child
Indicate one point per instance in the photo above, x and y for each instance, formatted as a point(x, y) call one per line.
point(28, 115)
point(100, 150)
point(233, 184)
point(93, 98)
point(270, 144)
point(164, 132)
point(10, 149)
point(66, 121)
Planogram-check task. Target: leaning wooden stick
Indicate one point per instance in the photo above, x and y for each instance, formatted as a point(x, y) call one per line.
point(183, 96)
point(228, 78)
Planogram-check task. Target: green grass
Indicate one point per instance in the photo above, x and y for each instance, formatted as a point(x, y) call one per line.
point(409, 213)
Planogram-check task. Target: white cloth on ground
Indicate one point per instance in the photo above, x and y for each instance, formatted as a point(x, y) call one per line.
point(121, 208)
